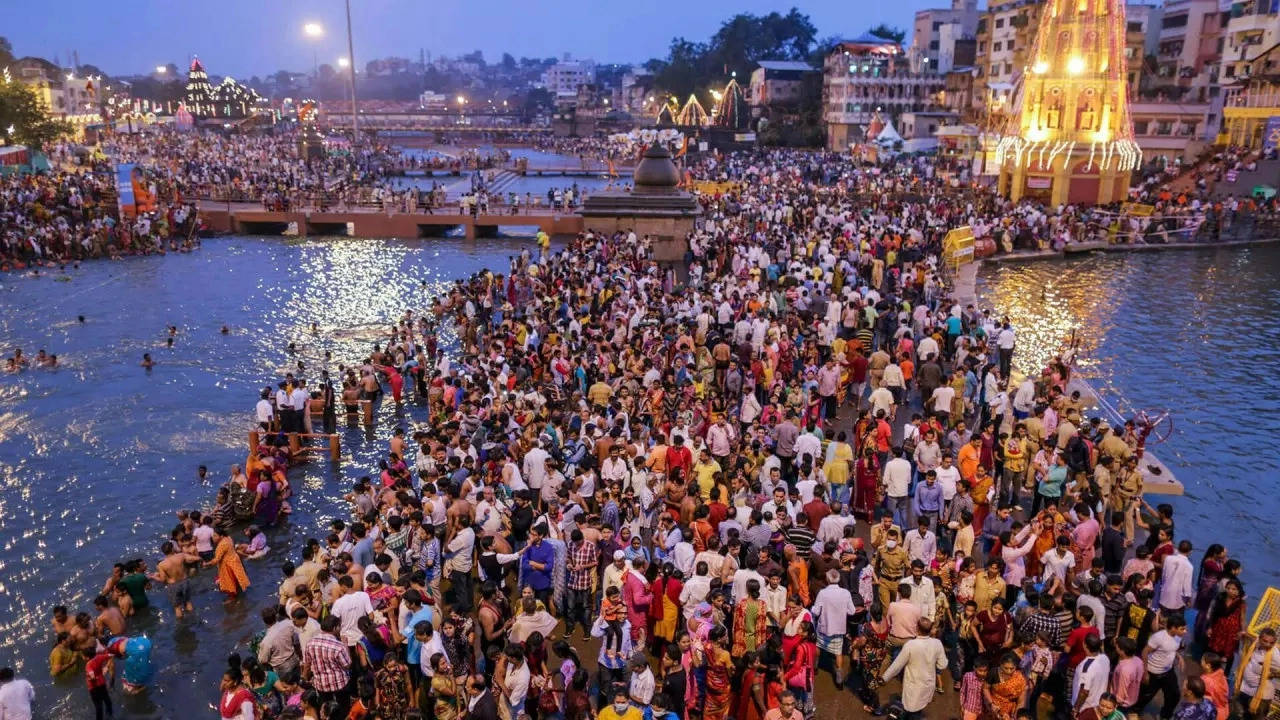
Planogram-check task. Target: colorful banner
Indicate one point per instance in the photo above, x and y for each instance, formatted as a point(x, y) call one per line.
point(132, 196)
point(1271, 134)
point(124, 189)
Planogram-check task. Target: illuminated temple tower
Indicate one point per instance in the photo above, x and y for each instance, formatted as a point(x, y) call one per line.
point(1069, 138)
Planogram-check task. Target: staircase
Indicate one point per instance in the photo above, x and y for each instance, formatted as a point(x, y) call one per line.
point(1268, 173)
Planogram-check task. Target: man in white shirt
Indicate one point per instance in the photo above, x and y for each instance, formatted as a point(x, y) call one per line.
point(897, 485)
point(682, 555)
point(642, 682)
point(1091, 677)
point(831, 611)
point(1162, 660)
point(774, 596)
point(922, 592)
point(695, 590)
point(534, 467)
point(948, 476)
point(831, 528)
point(741, 577)
point(1175, 580)
point(461, 549)
point(263, 412)
point(353, 605)
point(16, 695)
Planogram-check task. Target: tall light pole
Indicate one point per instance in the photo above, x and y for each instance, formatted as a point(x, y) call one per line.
point(315, 31)
point(351, 57)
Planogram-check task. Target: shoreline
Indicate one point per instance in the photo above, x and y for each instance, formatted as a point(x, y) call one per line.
point(1157, 477)
point(1082, 248)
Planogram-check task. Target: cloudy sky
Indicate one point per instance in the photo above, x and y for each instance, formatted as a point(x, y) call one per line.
point(247, 37)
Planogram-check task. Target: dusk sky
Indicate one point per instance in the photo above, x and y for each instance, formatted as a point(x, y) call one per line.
point(257, 37)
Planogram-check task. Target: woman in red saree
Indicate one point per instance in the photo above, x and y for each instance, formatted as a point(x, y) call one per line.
point(232, 579)
point(866, 486)
point(664, 611)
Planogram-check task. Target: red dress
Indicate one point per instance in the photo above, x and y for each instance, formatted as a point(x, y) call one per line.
point(866, 487)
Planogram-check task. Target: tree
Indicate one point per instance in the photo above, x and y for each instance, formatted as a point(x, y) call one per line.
point(742, 41)
point(508, 62)
point(6, 51)
point(21, 109)
point(889, 33)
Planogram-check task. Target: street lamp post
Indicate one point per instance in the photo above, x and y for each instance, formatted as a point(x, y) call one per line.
point(315, 31)
point(351, 57)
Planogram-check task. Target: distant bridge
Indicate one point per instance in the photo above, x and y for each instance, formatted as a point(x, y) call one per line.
point(413, 123)
point(370, 222)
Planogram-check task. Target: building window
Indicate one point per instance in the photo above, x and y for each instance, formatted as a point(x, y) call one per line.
point(995, 47)
point(933, 45)
point(1134, 27)
point(1140, 127)
point(1174, 21)
point(982, 47)
point(1009, 45)
point(999, 22)
point(936, 25)
point(1008, 67)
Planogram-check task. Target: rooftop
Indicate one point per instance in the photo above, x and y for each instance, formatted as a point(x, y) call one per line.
point(785, 65)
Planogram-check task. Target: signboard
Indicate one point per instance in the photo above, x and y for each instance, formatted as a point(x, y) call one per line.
point(1039, 183)
point(1231, 176)
point(957, 246)
point(132, 196)
point(1138, 209)
point(744, 137)
point(1271, 134)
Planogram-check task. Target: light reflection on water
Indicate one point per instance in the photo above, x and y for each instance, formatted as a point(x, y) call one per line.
point(1193, 332)
point(96, 456)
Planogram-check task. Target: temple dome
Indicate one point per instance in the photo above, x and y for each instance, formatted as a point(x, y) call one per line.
point(656, 171)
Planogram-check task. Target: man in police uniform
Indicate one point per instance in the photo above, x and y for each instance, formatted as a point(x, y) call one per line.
point(892, 564)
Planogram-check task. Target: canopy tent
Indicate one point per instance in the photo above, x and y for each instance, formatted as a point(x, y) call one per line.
point(888, 136)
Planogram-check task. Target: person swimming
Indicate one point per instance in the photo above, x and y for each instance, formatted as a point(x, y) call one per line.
point(226, 330)
point(147, 362)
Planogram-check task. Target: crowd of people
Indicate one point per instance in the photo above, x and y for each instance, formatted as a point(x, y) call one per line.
point(58, 218)
point(793, 456)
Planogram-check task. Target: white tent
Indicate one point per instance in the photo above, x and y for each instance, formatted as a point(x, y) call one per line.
point(888, 136)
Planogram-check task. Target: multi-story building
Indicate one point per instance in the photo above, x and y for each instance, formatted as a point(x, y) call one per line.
point(777, 83)
point(67, 96)
point(1252, 30)
point(563, 78)
point(871, 74)
point(1251, 101)
point(957, 92)
point(1141, 39)
point(636, 95)
point(935, 32)
point(1170, 130)
point(1004, 34)
point(1188, 50)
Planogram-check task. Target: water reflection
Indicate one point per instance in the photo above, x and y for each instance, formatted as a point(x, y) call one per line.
point(96, 456)
point(1193, 332)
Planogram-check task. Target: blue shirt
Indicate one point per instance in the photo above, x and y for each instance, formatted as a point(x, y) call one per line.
point(928, 498)
point(1051, 486)
point(362, 553)
point(619, 660)
point(413, 645)
point(953, 325)
point(540, 553)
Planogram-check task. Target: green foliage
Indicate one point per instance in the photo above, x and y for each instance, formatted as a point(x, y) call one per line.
point(889, 33)
point(21, 109)
point(741, 42)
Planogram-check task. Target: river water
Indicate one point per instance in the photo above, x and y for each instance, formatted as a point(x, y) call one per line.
point(1193, 332)
point(97, 456)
